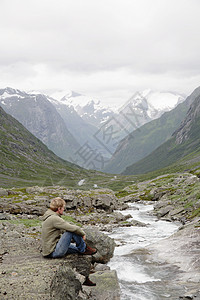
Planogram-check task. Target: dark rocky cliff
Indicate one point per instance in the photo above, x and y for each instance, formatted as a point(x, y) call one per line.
point(193, 114)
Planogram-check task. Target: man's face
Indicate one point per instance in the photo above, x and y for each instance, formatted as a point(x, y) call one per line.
point(61, 210)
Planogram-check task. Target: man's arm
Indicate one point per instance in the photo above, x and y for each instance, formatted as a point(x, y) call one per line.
point(59, 223)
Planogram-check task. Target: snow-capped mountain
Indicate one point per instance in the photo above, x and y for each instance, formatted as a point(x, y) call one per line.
point(147, 104)
point(161, 101)
point(89, 109)
point(10, 92)
point(153, 103)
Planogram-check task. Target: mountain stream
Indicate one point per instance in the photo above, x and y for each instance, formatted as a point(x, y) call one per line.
point(140, 278)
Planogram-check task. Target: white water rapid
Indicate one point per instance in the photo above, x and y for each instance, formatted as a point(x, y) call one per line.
point(139, 278)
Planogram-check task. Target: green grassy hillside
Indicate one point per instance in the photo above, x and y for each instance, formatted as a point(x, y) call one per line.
point(26, 161)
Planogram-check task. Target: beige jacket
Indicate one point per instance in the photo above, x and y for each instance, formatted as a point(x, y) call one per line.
point(52, 228)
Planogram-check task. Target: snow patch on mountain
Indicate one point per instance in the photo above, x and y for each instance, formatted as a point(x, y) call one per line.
point(152, 103)
point(88, 108)
point(162, 100)
point(9, 92)
point(71, 98)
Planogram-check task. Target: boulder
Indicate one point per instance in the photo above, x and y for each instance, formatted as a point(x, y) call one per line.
point(138, 223)
point(80, 263)
point(104, 202)
point(104, 244)
point(164, 211)
point(65, 284)
point(107, 286)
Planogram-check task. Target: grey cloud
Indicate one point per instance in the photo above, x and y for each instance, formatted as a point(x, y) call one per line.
point(73, 39)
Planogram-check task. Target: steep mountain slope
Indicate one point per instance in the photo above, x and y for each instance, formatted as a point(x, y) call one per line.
point(25, 160)
point(148, 137)
point(181, 151)
point(87, 121)
point(82, 131)
point(40, 117)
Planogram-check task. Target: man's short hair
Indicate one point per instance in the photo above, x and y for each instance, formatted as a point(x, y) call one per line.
point(56, 203)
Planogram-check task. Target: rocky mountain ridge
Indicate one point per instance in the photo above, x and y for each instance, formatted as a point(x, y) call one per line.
point(40, 117)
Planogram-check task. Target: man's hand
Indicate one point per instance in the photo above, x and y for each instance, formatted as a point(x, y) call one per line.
point(84, 237)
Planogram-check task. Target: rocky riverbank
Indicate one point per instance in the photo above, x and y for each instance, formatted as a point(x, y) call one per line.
point(176, 197)
point(25, 274)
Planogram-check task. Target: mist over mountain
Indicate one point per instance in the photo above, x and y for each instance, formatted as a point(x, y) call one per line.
point(108, 126)
point(147, 105)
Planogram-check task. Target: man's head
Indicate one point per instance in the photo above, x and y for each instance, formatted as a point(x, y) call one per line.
point(58, 205)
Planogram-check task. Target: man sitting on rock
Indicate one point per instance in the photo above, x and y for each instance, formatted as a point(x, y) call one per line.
point(54, 243)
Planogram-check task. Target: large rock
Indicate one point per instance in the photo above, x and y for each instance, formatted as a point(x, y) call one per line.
point(80, 263)
point(180, 252)
point(65, 284)
point(104, 244)
point(105, 202)
point(107, 286)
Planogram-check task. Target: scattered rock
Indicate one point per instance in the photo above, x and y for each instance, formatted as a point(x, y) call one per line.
point(4, 216)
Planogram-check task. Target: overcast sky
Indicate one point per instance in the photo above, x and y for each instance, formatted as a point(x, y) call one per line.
point(107, 49)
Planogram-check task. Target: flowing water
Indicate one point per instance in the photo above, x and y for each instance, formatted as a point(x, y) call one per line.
point(141, 279)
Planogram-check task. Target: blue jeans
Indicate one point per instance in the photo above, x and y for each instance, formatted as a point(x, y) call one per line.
point(64, 245)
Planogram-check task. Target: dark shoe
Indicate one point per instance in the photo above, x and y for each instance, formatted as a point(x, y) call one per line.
point(89, 251)
point(88, 282)
point(92, 271)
